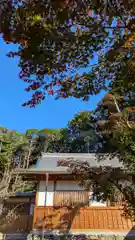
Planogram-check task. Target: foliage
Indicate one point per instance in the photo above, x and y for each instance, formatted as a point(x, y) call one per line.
point(107, 130)
point(53, 140)
point(81, 237)
point(110, 131)
point(85, 133)
point(67, 32)
point(11, 144)
point(79, 136)
point(16, 151)
point(70, 33)
point(82, 132)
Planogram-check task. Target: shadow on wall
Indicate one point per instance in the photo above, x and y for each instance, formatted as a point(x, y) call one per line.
point(131, 234)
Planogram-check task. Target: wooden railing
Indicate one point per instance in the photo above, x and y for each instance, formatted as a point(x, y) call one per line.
point(71, 198)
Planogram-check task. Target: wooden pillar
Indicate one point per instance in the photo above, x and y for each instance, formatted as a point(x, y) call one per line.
point(36, 200)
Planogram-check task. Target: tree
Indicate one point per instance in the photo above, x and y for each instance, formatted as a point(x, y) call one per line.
point(69, 33)
point(53, 140)
point(17, 151)
point(82, 132)
point(10, 152)
point(112, 122)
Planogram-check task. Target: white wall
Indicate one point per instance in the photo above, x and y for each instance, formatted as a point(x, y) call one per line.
point(50, 194)
point(42, 193)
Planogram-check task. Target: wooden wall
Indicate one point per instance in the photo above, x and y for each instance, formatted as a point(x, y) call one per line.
point(15, 215)
point(101, 219)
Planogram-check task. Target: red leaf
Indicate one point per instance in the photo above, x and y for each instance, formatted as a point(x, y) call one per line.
point(27, 89)
point(51, 92)
point(118, 23)
point(35, 86)
point(90, 13)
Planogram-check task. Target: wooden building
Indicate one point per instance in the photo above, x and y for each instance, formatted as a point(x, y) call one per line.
point(64, 207)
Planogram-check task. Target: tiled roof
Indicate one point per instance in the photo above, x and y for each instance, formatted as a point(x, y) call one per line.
point(49, 161)
point(88, 219)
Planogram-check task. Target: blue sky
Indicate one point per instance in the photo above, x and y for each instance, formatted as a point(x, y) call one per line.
point(50, 114)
